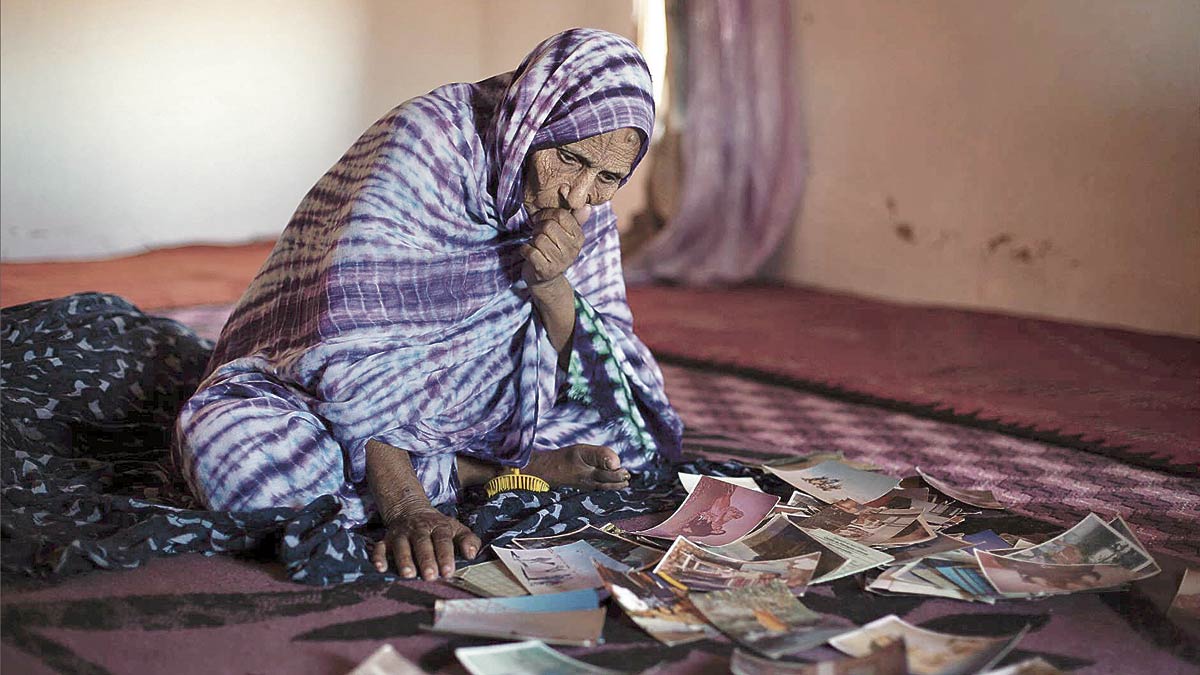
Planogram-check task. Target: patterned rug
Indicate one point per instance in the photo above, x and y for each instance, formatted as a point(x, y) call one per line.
point(192, 614)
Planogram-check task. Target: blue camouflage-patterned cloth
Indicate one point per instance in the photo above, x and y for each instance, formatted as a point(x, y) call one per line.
point(90, 388)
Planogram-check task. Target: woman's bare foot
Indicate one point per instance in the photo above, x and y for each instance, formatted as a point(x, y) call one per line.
point(591, 467)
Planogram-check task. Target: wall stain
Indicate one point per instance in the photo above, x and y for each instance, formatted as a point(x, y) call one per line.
point(998, 241)
point(1025, 253)
point(904, 231)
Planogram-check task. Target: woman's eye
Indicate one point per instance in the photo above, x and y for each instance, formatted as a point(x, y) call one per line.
point(566, 157)
point(607, 178)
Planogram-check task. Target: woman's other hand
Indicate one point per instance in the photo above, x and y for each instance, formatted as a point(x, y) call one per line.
point(423, 542)
point(556, 242)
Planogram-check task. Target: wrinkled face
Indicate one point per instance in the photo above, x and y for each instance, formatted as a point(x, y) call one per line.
point(584, 172)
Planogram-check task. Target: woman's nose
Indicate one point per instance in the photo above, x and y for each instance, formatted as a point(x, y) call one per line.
point(574, 195)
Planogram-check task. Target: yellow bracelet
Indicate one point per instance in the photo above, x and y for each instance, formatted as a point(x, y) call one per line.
point(513, 479)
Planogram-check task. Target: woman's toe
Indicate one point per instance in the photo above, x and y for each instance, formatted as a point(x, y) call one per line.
point(601, 457)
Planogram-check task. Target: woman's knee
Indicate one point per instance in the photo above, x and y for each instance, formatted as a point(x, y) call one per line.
point(248, 453)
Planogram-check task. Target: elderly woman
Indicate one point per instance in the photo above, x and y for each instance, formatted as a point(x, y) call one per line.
point(446, 305)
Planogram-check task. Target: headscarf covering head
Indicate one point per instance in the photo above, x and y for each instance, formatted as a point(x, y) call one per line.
point(574, 85)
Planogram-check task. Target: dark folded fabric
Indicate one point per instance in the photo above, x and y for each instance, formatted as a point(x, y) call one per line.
point(91, 386)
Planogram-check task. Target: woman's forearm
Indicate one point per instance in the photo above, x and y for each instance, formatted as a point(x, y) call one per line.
point(555, 304)
point(394, 482)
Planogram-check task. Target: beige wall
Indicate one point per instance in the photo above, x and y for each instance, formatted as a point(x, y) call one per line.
point(1040, 156)
point(133, 124)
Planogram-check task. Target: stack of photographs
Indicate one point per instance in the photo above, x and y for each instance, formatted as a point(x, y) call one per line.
point(1091, 556)
point(571, 618)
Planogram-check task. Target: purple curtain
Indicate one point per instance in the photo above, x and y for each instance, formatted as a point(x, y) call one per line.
point(741, 147)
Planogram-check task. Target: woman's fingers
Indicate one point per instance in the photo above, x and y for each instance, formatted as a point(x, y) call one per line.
point(468, 543)
point(550, 245)
point(402, 554)
point(424, 555)
point(379, 556)
point(582, 213)
point(443, 546)
point(541, 264)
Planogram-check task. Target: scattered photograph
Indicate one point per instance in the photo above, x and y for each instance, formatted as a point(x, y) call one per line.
point(937, 514)
point(489, 579)
point(928, 652)
point(690, 480)
point(833, 481)
point(715, 513)
point(529, 658)
point(857, 558)
point(804, 501)
point(557, 569)
point(1022, 578)
point(983, 499)
point(941, 544)
point(1122, 528)
point(777, 539)
point(986, 540)
point(1187, 598)
point(615, 546)
point(701, 570)
point(386, 661)
point(964, 575)
point(903, 580)
point(1092, 542)
point(552, 602)
point(1035, 666)
point(579, 627)
point(657, 607)
point(766, 618)
point(809, 461)
point(886, 660)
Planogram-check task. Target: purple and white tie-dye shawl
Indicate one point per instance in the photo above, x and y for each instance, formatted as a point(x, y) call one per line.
point(392, 305)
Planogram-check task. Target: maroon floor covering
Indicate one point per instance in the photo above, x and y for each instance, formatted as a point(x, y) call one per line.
point(219, 614)
point(1125, 394)
point(1084, 419)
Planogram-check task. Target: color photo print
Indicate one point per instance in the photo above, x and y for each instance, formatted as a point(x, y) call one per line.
point(715, 513)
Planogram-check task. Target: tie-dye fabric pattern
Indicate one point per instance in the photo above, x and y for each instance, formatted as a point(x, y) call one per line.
point(392, 306)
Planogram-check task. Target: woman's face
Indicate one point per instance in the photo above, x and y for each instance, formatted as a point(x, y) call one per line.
point(584, 172)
